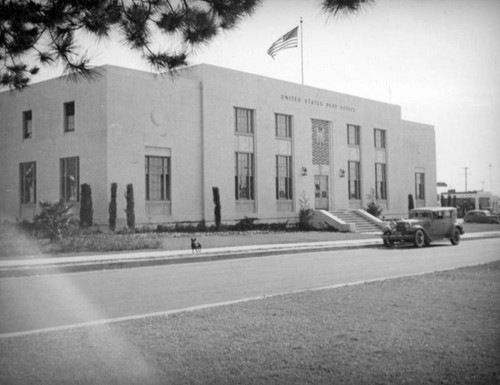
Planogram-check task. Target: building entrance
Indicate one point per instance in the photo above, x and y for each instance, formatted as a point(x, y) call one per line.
point(321, 192)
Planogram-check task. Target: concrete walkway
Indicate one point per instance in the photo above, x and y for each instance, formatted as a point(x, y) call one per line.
point(105, 261)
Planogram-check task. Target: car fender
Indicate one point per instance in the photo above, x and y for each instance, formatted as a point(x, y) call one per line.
point(414, 229)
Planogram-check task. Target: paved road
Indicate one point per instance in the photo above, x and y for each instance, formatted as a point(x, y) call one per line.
point(33, 303)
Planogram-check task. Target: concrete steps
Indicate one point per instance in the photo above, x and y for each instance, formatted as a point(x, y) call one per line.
point(362, 224)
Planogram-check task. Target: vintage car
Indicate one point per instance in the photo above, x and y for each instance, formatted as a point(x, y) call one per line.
point(481, 216)
point(425, 225)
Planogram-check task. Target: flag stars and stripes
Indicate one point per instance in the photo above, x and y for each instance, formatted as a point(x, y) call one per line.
point(288, 40)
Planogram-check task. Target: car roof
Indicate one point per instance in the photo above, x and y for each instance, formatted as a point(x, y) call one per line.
point(438, 208)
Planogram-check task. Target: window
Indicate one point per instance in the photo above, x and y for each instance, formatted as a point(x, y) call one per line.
point(283, 126)
point(27, 124)
point(420, 185)
point(70, 179)
point(380, 181)
point(244, 120)
point(69, 116)
point(283, 177)
point(157, 178)
point(244, 176)
point(27, 178)
point(379, 138)
point(354, 180)
point(352, 135)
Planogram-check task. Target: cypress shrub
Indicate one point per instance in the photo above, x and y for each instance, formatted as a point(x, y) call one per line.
point(86, 210)
point(411, 204)
point(217, 209)
point(129, 196)
point(112, 207)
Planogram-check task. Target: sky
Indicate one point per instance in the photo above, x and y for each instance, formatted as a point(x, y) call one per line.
point(437, 59)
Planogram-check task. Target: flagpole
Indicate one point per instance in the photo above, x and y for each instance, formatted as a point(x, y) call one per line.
point(301, 52)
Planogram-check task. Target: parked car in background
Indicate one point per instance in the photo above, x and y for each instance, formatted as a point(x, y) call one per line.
point(481, 216)
point(425, 225)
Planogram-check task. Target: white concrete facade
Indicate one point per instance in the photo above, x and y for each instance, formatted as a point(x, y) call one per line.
point(125, 116)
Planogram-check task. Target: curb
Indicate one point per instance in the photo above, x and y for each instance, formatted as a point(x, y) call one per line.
point(131, 260)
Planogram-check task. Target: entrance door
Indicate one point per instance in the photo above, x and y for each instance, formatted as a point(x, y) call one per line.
point(321, 192)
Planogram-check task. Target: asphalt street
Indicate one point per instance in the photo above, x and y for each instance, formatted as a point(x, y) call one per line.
point(48, 302)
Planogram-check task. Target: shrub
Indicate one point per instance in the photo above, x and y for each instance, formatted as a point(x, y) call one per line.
point(202, 226)
point(129, 196)
point(112, 207)
point(86, 210)
point(373, 207)
point(55, 219)
point(305, 214)
point(411, 203)
point(245, 224)
point(217, 209)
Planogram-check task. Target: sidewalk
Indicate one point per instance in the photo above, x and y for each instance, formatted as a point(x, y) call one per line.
point(118, 260)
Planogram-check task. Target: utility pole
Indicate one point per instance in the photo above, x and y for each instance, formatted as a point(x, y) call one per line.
point(465, 168)
point(491, 185)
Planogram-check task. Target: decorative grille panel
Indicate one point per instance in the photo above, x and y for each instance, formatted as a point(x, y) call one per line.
point(321, 141)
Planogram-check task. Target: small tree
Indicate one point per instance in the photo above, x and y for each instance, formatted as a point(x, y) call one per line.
point(217, 209)
point(86, 209)
point(129, 196)
point(112, 207)
point(411, 203)
point(54, 219)
point(305, 213)
point(373, 207)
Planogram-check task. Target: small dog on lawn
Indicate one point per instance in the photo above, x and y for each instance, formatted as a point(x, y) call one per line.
point(195, 246)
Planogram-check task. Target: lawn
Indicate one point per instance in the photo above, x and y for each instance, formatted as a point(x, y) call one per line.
point(441, 328)
point(17, 243)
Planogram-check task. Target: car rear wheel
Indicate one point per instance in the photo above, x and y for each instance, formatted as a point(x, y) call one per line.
point(419, 238)
point(455, 237)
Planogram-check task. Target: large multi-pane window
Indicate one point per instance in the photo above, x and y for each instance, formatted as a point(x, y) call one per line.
point(354, 180)
point(70, 179)
point(379, 137)
point(420, 185)
point(27, 124)
point(244, 176)
point(283, 177)
point(157, 178)
point(380, 181)
point(283, 126)
point(244, 120)
point(353, 135)
point(27, 178)
point(69, 116)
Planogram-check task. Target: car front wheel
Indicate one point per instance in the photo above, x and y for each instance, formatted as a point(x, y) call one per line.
point(388, 243)
point(419, 238)
point(455, 237)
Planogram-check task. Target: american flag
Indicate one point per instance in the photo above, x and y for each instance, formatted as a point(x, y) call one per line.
point(288, 40)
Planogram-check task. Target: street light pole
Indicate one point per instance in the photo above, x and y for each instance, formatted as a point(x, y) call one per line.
point(465, 168)
point(491, 184)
